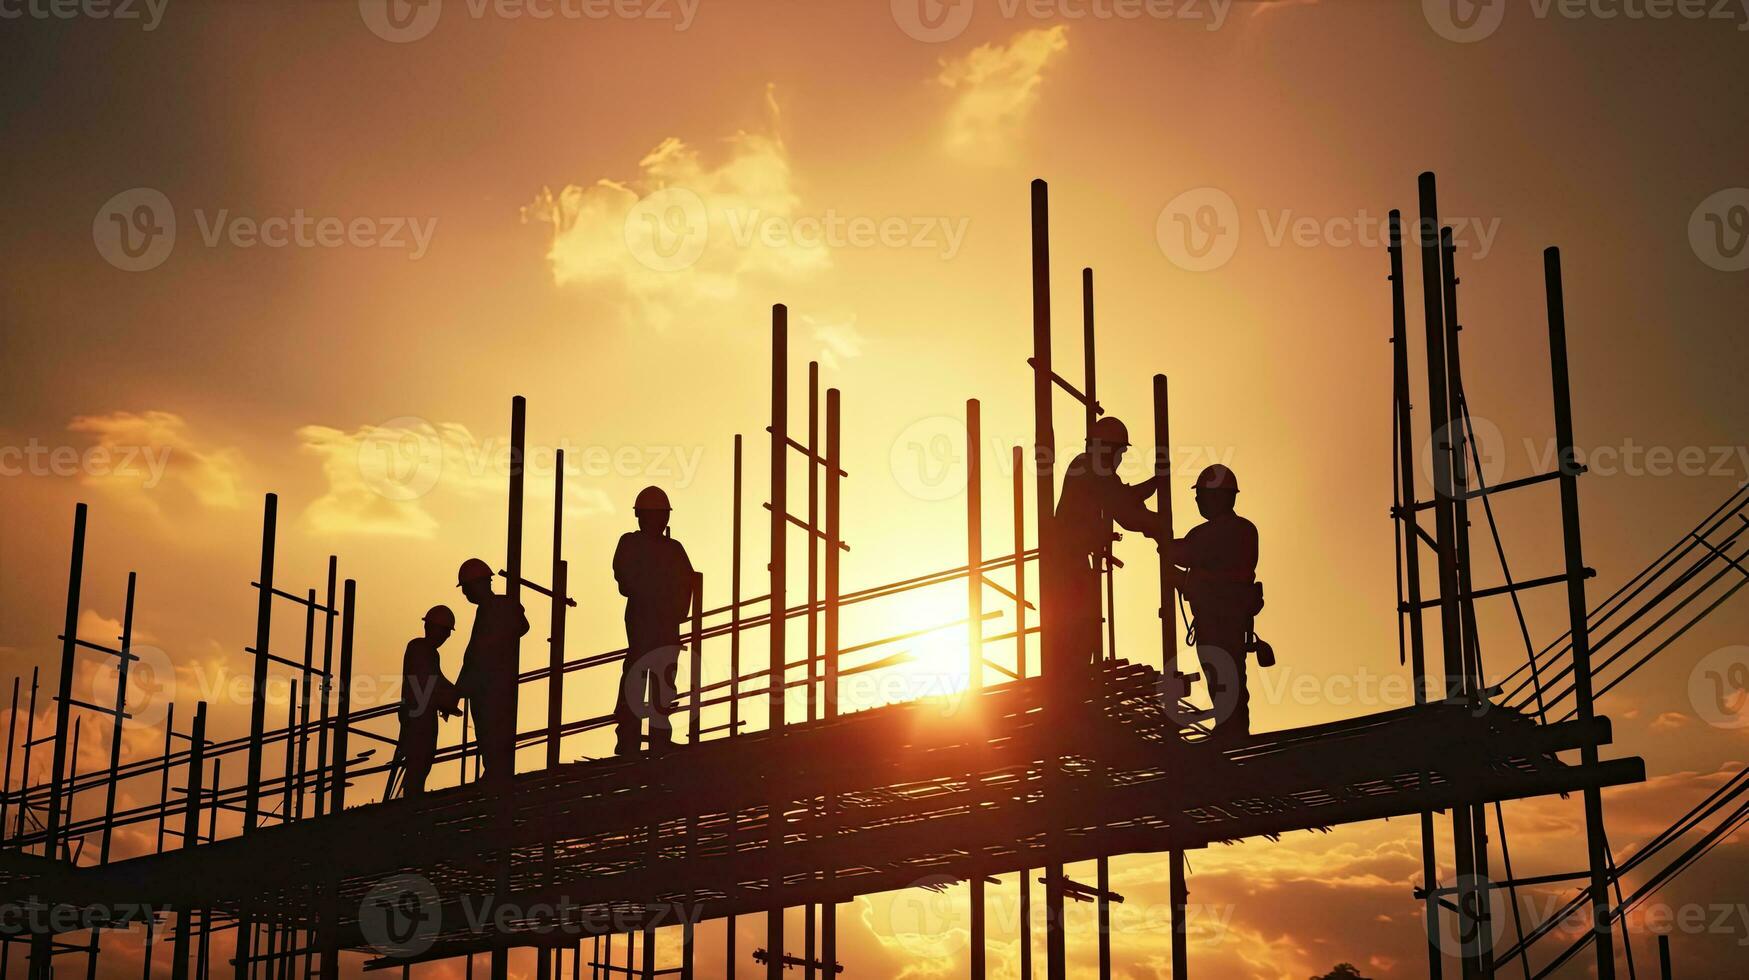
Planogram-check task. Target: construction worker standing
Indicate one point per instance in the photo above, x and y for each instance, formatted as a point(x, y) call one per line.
point(655, 576)
point(425, 693)
point(489, 667)
point(1219, 559)
point(1093, 497)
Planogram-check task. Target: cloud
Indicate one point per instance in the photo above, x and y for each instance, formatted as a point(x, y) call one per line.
point(382, 478)
point(996, 88)
point(839, 340)
point(1670, 721)
point(683, 232)
point(135, 453)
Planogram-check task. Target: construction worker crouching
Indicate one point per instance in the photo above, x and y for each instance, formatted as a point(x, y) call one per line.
point(489, 667)
point(1219, 559)
point(655, 576)
point(1093, 497)
point(425, 694)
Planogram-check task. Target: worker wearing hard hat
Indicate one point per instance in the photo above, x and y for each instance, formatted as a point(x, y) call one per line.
point(655, 576)
point(1219, 559)
point(425, 693)
point(489, 667)
point(1093, 497)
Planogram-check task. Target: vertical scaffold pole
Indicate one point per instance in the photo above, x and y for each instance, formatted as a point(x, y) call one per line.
point(1177, 888)
point(1596, 846)
point(1018, 460)
point(561, 591)
point(190, 836)
point(810, 912)
point(1090, 374)
point(779, 565)
point(115, 731)
point(333, 597)
point(734, 673)
point(1450, 616)
point(1044, 450)
point(1410, 550)
point(975, 634)
point(42, 943)
point(834, 535)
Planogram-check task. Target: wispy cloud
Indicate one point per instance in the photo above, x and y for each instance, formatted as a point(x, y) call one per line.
point(839, 340)
point(135, 454)
point(383, 479)
point(682, 231)
point(996, 87)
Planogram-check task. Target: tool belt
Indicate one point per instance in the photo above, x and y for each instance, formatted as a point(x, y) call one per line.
point(1227, 600)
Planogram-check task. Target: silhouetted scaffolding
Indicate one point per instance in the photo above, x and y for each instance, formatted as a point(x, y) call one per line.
point(819, 806)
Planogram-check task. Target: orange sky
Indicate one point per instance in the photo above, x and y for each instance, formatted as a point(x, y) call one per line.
point(870, 171)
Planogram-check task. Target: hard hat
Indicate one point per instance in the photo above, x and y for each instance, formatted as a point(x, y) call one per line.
point(1217, 477)
point(1109, 431)
point(442, 616)
point(651, 498)
point(473, 570)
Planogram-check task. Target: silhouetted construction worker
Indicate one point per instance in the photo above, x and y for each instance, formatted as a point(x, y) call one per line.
point(655, 576)
point(425, 693)
point(1093, 497)
point(489, 667)
point(1219, 558)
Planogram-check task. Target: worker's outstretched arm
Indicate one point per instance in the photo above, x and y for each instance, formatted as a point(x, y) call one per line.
point(1125, 505)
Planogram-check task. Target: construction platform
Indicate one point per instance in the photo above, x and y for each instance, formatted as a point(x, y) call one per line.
point(1016, 776)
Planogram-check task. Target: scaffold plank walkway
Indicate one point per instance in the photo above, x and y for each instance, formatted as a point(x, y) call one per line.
point(1018, 776)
